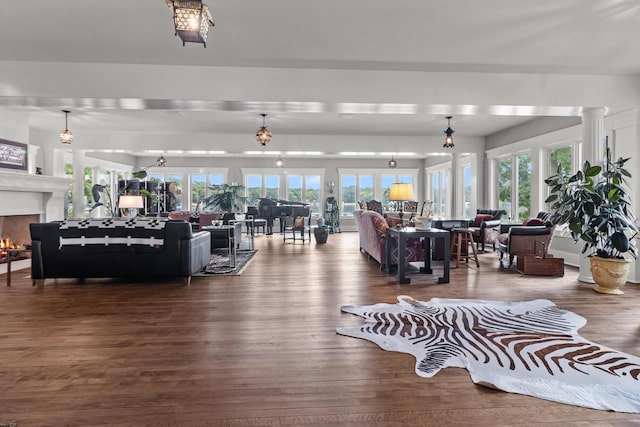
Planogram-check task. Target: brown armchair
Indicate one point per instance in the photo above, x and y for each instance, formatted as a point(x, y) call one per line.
point(524, 240)
point(485, 227)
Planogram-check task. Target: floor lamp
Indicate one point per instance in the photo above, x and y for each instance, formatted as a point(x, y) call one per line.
point(401, 192)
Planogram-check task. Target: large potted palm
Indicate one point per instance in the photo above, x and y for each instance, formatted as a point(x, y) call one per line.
point(594, 204)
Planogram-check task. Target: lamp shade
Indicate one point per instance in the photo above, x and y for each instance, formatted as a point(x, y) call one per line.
point(401, 191)
point(131, 202)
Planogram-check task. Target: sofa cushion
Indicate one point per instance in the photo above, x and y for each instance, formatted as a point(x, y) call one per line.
point(480, 218)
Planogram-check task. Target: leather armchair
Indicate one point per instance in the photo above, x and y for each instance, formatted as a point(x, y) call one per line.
point(524, 240)
point(484, 227)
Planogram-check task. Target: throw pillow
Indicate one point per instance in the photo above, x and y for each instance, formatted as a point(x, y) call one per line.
point(480, 218)
point(299, 222)
point(533, 221)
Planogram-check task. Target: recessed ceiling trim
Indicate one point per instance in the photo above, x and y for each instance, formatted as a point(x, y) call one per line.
point(343, 108)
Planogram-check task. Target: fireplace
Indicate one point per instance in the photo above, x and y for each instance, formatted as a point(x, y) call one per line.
point(27, 198)
point(14, 233)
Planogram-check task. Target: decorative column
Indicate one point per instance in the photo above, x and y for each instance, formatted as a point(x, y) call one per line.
point(593, 134)
point(78, 184)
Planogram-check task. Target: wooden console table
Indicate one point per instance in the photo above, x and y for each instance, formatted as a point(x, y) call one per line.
point(402, 234)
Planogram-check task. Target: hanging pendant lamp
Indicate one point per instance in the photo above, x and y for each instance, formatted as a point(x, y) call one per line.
point(448, 139)
point(66, 137)
point(263, 136)
point(192, 20)
point(161, 161)
point(279, 162)
point(392, 163)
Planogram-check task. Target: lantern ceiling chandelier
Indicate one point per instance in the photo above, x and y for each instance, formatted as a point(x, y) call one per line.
point(66, 137)
point(393, 163)
point(279, 162)
point(161, 161)
point(263, 136)
point(448, 139)
point(191, 20)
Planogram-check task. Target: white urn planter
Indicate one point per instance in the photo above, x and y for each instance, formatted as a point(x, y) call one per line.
point(610, 274)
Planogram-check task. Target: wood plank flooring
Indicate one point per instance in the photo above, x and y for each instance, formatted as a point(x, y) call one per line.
point(261, 348)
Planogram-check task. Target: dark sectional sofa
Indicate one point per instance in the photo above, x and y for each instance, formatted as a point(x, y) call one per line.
point(117, 247)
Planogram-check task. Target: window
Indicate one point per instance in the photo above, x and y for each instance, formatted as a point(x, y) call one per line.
point(437, 181)
point(466, 194)
point(272, 186)
point(176, 200)
point(312, 193)
point(294, 188)
point(198, 190)
point(254, 189)
point(516, 200)
point(560, 156)
point(348, 192)
point(524, 186)
point(504, 185)
point(371, 185)
point(366, 187)
point(387, 180)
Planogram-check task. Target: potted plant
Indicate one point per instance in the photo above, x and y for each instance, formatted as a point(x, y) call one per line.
point(226, 198)
point(595, 205)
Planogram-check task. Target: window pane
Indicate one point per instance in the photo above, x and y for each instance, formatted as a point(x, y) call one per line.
point(387, 180)
point(254, 189)
point(348, 193)
point(466, 172)
point(312, 189)
point(294, 188)
point(272, 186)
point(175, 192)
point(156, 177)
point(407, 179)
point(198, 190)
point(435, 193)
point(366, 187)
point(216, 179)
point(560, 157)
point(504, 185)
point(524, 186)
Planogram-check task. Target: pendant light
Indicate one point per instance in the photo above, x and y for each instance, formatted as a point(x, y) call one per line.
point(192, 20)
point(279, 162)
point(448, 139)
point(392, 163)
point(161, 161)
point(263, 136)
point(66, 137)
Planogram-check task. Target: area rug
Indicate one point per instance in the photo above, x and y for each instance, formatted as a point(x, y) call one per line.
point(219, 263)
point(528, 347)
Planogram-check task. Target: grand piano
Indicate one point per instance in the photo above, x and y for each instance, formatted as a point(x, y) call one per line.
point(271, 209)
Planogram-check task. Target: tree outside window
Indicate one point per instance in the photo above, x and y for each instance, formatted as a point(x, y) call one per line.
point(504, 185)
point(524, 186)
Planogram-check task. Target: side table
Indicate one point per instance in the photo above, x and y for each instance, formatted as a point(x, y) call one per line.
point(10, 255)
point(402, 234)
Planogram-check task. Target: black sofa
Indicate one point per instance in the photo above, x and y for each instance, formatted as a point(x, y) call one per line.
point(117, 247)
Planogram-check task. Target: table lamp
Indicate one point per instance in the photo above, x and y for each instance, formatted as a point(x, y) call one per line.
point(401, 192)
point(131, 203)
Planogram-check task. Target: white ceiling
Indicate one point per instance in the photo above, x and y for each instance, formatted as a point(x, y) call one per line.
point(521, 36)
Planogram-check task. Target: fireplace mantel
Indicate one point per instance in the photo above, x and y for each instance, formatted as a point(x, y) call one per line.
point(23, 194)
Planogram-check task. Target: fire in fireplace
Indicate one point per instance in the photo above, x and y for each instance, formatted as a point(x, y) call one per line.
point(5, 246)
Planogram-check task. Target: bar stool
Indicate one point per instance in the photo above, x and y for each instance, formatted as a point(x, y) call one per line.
point(463, 237)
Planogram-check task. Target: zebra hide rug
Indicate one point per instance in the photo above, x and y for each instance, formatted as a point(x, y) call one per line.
point(529, 347)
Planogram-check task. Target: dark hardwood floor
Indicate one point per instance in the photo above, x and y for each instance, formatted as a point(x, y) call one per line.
point(261, 348)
